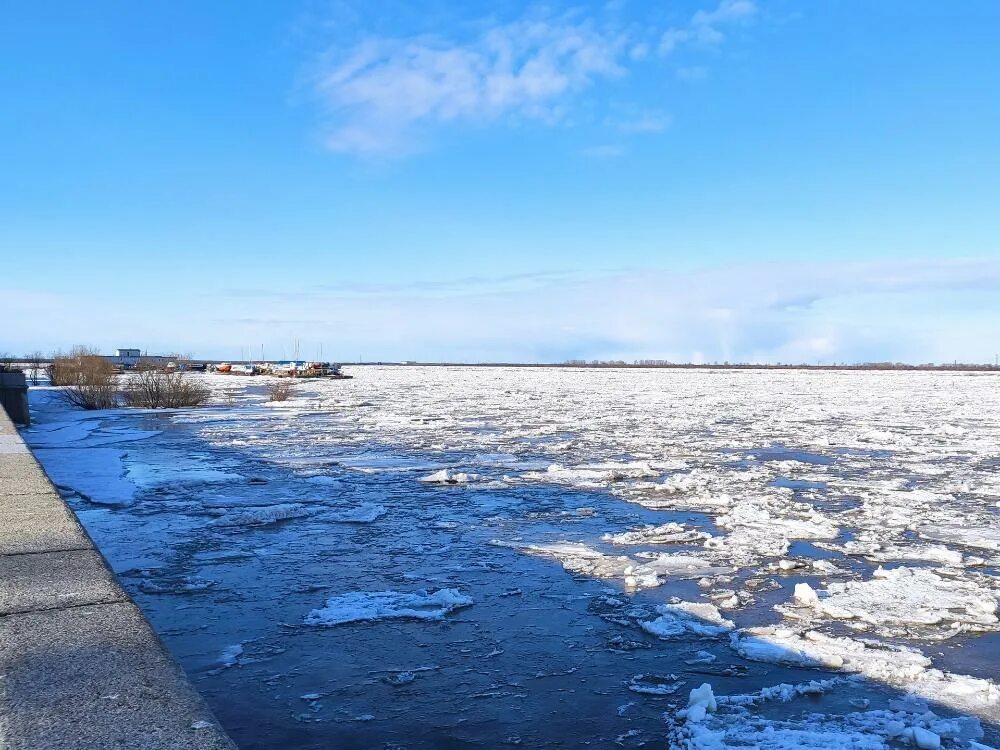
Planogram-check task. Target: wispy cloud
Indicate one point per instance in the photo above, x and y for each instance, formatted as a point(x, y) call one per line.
point(383, 94)
point(385, 88)
point(706, 26)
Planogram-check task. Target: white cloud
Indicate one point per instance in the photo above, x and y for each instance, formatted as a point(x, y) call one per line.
point(728, 11)
point(385, 88)
point(704, 27)
point(384, 94)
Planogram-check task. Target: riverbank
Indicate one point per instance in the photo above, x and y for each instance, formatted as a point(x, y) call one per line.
point(79, 665)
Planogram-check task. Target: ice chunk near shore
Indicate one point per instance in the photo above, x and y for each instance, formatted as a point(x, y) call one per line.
point(150, 476)
point(364, 513)
point(96, 474)
point(913, 602)
point(230, 655)
point(262, 516)
point(364, 606)
point(176, 585)
point(687, 618)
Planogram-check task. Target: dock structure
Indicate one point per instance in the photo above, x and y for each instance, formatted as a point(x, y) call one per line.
point(80, 667)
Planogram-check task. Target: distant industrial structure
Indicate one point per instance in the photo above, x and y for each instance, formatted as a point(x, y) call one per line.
point(129, 359)
point(126, 358)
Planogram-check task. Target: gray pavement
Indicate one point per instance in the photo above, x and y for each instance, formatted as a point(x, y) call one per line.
point(80, 667)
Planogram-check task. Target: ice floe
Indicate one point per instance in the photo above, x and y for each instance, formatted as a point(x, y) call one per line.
point(364, 606)
point(364, 513)
point(651, 684)
point(895, 665)
point(913, 602)
point(230, 655)
point(634, 573)
point(446, 477)
point(687, 618)
point(668, 533)
point(264, 515)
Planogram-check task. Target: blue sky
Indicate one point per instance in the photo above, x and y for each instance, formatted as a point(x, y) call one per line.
point(767, 180)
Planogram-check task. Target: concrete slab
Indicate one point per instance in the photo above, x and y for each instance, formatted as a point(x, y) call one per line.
point(44, 502)
point(96, 677)
point(80, 668)
point(20, 475)
point(38, 523)
point(55, 579)
point(10, 443)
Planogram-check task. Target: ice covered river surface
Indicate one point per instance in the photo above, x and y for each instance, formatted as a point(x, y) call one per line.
point(482, 557)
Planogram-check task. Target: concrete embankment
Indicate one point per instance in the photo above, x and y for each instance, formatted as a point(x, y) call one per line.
point(14, 396)
point(80, 667)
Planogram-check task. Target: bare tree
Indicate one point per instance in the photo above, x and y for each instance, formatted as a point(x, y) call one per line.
point(149, 387)
point(34, 360)
point(89, 379)
point(66, 369)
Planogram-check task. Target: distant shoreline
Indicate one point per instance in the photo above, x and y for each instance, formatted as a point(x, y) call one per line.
point(616, 365)
point(873, 367)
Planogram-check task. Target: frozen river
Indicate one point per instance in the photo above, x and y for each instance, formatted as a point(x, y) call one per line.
point(481, 557)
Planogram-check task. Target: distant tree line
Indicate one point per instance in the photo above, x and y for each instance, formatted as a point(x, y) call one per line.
point(649, 363)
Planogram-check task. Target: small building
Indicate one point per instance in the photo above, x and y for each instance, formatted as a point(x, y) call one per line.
point(126, 359)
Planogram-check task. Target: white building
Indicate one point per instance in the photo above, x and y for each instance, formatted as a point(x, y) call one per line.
point(126, 358)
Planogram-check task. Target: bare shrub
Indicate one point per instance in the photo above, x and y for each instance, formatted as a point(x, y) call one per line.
point(280, 390)
point(67, 369)
point(89, 377)
point(151, 388)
